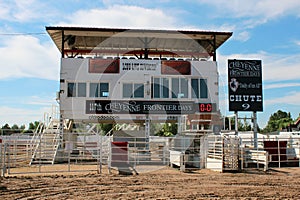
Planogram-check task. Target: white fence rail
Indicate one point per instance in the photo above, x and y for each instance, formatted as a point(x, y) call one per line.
point(83, 152)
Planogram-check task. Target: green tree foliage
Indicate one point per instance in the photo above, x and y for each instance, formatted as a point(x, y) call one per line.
point(105, 128)
point(33, 125)
point(168, 129)
point(7, 130)
point(243, 124)
point(6, 126)
point(277, 121)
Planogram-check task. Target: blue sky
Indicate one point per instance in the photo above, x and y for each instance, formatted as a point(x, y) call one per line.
point(262, 29)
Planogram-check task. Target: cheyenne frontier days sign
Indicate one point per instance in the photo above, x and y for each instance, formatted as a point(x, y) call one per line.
point(147, 107)
point(245, 85)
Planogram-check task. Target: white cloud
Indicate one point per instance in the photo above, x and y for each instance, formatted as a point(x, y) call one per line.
point(263, 9)
point(122, 16)
point(134, 2)
point(19, 10)
point(26, 56)
point(21, 116)
point(4, 10)
point(291, 98)
point(248, 14)
point(29, 11)
point(275, 67)
point(243, 36)
point(40, 101)
point(281, 85)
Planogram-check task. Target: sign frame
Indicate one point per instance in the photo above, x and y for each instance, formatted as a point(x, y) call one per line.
point(245, 85)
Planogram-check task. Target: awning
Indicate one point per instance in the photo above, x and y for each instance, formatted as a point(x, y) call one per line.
point(81, 40)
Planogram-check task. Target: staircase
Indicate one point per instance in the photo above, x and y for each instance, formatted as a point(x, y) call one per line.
point(46, 144)
point(47, 139)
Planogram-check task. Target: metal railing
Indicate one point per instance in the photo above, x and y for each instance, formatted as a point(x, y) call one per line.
point(92, 152)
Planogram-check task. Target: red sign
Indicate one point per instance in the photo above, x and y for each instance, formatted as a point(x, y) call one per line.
point(104, 66)
point(176, 67)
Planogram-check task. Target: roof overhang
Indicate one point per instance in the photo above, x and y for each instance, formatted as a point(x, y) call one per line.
point(81, 40)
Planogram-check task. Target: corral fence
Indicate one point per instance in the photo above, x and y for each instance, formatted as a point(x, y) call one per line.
point(80, 152)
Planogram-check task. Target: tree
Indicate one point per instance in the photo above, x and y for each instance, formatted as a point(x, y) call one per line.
point(22, 127)
point(6, 126)
point(33, 125)
point(277, 121)
point(15, 127)
point(6, 130)
point(244, 126)
point(168, 129)
point(105, 127)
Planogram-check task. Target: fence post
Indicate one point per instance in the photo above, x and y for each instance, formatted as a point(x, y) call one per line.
point(3, 152)
point(109, 156)
point(1, 161)
point(100, 150)
point(4, 159)
point(278, 151)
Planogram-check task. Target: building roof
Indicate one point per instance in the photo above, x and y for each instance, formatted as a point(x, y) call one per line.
point(83, 40)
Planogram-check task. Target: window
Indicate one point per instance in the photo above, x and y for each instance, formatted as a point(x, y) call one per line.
point(203, 88)
point(183, 88)
point(127, 90)
point(195, 88)
point(165, 88)
point(138, 90)
point(133, 90)
point(175, 87)
point(81, 89)
point(104, 87)
point(76, 90)
point(179, 88)
point(94, 90)
point(71, 89)
point(99, 89)
point(156, 88)
point(160, 88)
point(199, 88)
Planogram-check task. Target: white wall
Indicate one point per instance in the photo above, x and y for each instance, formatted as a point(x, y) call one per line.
point(76, 70)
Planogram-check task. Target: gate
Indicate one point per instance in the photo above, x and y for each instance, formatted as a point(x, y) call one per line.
point(223, 153)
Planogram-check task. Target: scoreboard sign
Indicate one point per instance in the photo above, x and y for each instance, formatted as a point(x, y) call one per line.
point(147, 107)
point(245, 85)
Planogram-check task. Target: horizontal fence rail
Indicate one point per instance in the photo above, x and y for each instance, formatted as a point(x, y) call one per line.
point(80, 152)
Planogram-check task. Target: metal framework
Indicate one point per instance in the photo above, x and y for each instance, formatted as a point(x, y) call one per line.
point(137, 42)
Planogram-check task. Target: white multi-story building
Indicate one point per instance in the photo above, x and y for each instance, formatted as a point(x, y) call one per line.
point(130, 75)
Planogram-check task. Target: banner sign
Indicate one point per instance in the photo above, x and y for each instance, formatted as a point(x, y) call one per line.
point(98, 65)
point(175, 67)
point(104, 66)
point(136, 65)
point(147, 107)
point(245, 85)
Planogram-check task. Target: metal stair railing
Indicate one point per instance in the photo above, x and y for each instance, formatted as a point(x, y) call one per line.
point(47, 145)
point(35, 140)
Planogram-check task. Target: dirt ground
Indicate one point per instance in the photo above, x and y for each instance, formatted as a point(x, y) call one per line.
point(166, 183)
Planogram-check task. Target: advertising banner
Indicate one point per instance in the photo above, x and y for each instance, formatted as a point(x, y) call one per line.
point(245, 85)
point(147, 107)
point(175, 67)
point(104, 66)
